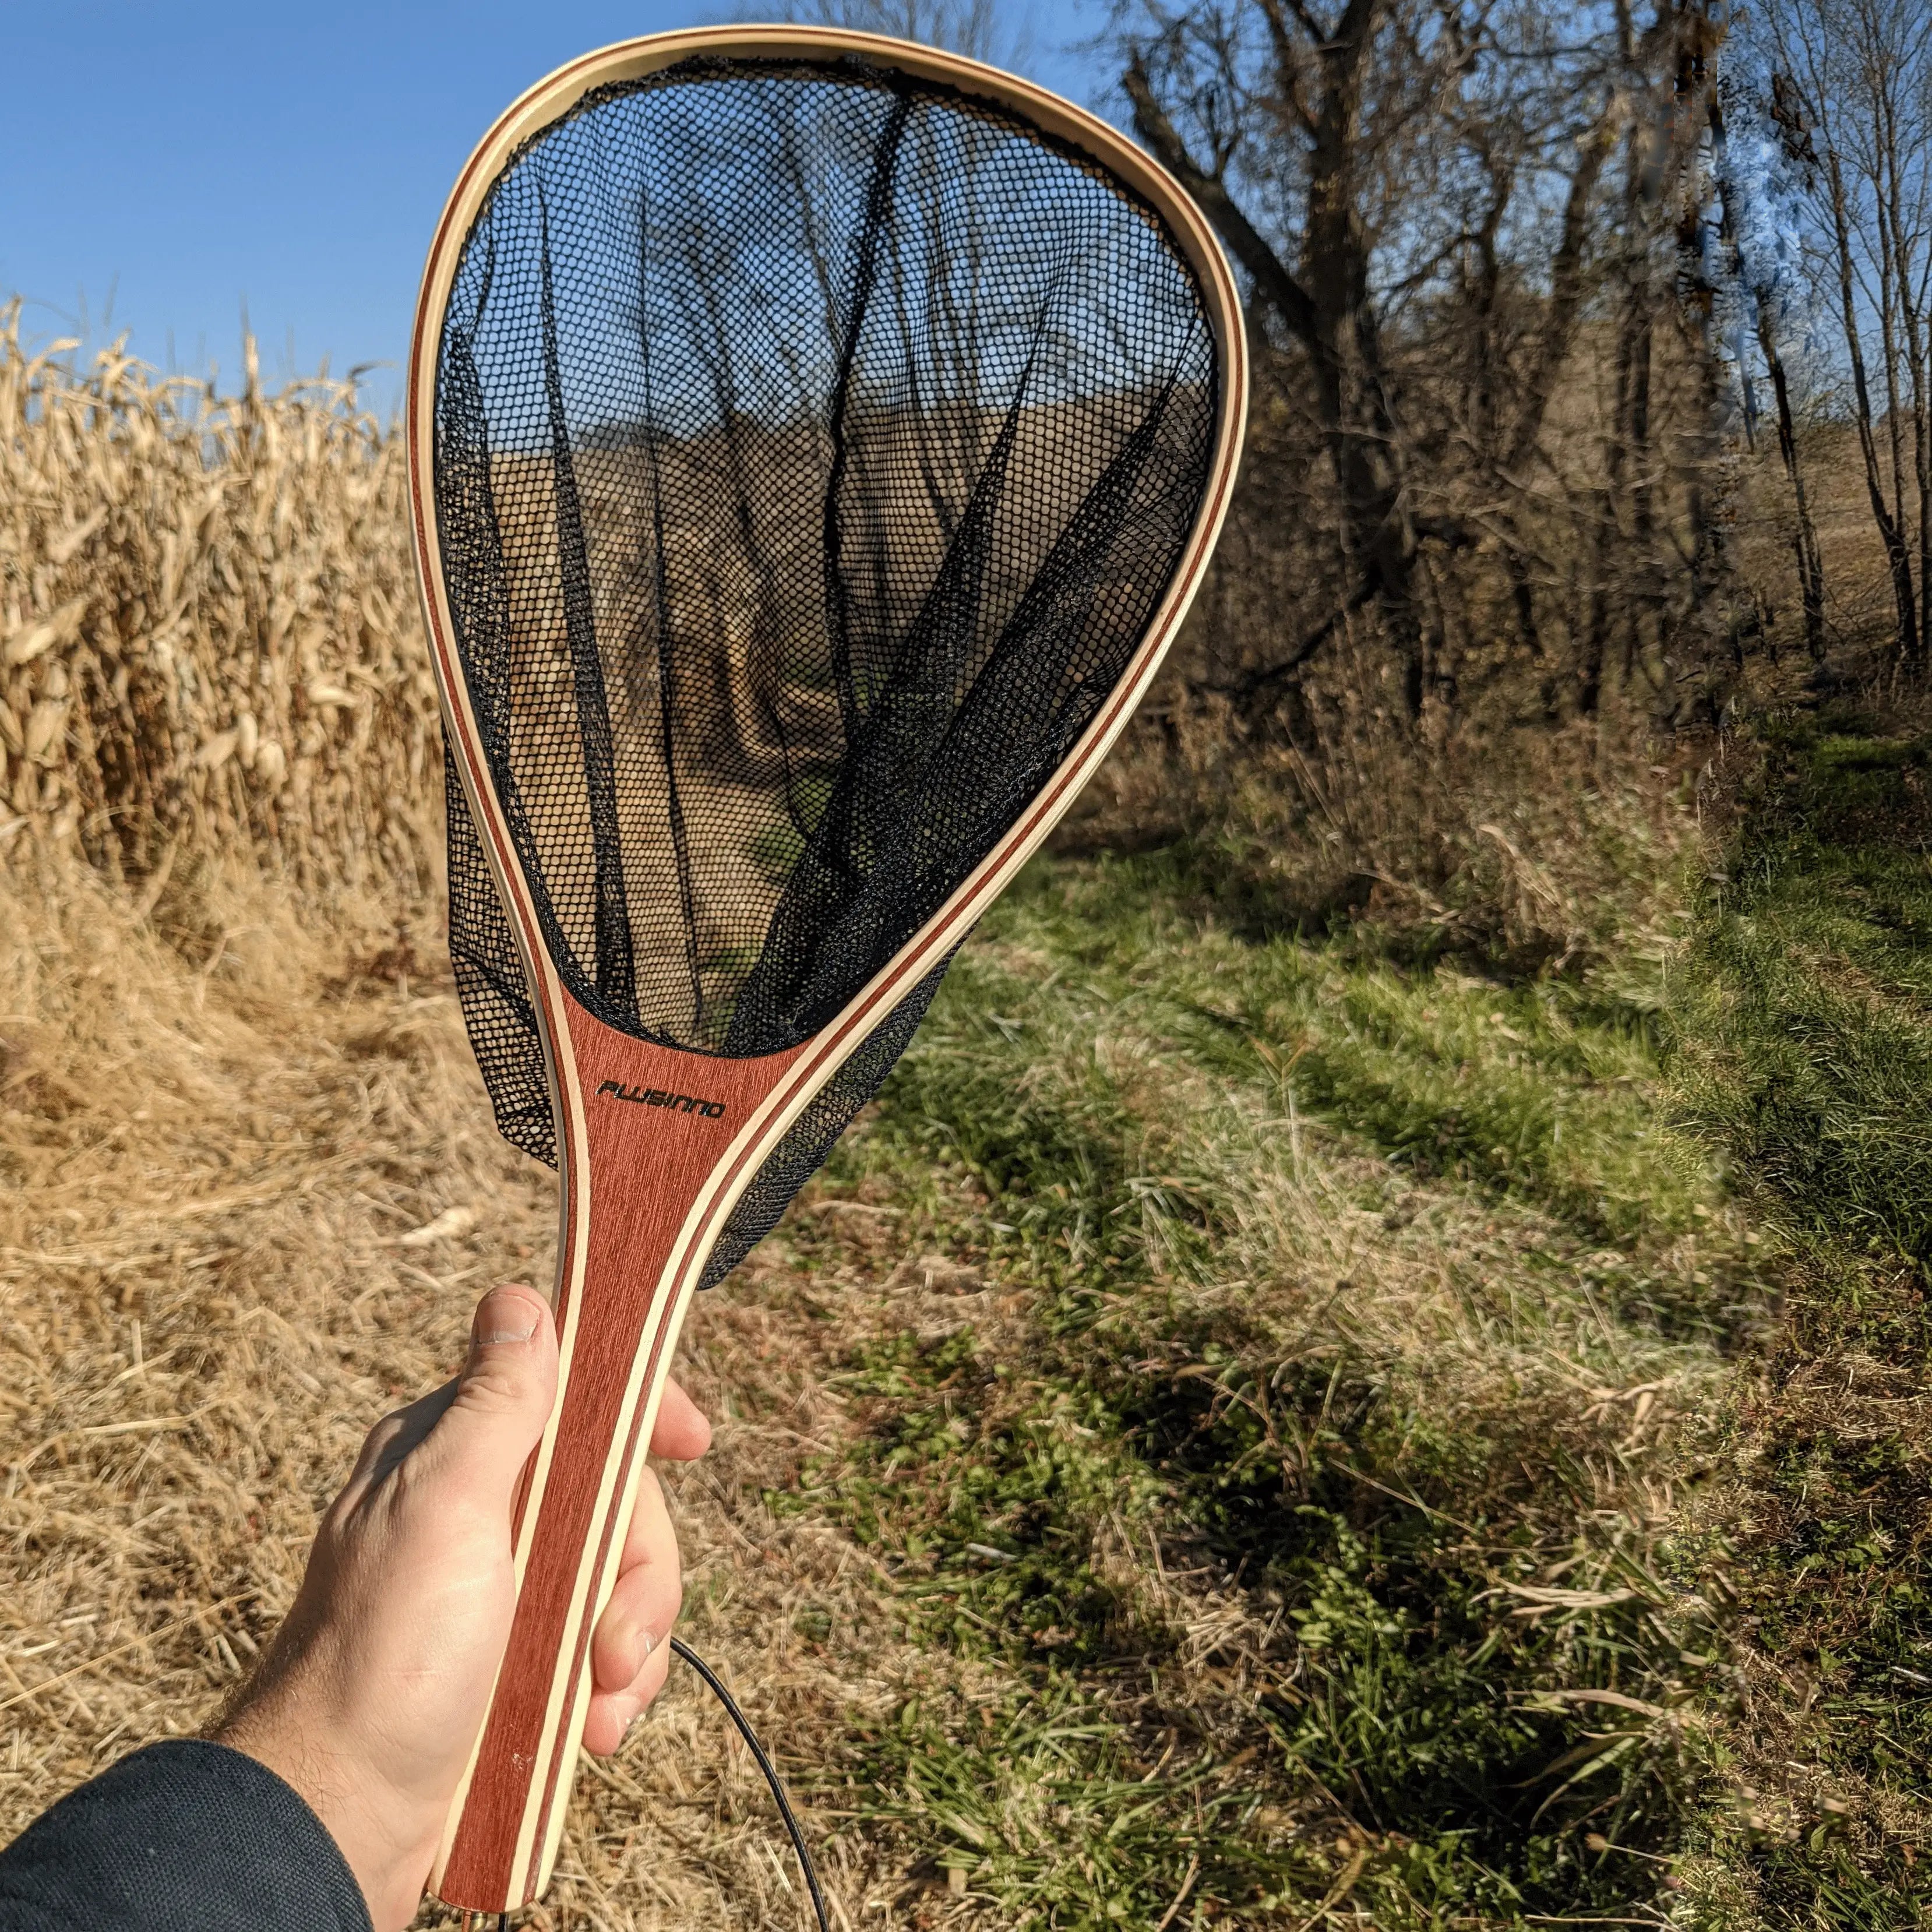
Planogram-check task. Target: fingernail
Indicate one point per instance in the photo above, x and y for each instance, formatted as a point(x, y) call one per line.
point(505, 1316)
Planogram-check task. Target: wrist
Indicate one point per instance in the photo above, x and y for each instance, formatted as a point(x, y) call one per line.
point(387, 1837)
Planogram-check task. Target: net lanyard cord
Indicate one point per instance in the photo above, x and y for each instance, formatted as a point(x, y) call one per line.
point(772, 1778)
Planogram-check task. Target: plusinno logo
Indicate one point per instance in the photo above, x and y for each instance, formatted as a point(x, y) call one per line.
point(657, 1096)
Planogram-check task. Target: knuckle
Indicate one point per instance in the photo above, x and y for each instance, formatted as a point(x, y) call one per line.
point(497, 1387)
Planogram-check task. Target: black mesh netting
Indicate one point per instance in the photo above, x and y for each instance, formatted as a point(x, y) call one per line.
point(813, 446)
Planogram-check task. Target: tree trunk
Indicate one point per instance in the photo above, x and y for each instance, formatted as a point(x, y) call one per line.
point(1328, 308)
point(1630, 424)
point(1912, 322)
point(1898, 560)
point(1805, 552)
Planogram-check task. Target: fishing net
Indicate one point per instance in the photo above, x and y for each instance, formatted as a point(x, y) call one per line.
point(813, 445)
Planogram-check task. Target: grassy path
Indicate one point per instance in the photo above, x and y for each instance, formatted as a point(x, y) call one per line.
point(1271, 1458)
point(1249, 1432)
point(1450, 1450)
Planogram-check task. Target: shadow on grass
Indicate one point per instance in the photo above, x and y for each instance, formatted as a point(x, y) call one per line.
point(1805, 1051)
point(1413, 1645)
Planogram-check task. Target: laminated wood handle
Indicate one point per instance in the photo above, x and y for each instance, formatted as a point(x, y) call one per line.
point(654, 1149)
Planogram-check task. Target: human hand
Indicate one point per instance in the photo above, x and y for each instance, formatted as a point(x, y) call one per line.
point(371, 1697)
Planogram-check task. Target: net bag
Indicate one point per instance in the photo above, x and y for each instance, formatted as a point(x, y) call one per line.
point(813, 444)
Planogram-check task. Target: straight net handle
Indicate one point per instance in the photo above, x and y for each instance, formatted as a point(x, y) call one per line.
point(648, 1132)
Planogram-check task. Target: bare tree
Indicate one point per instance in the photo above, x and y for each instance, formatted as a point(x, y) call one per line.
point(1313, 86)
point(1758, 143)
point(1854, 88)
point(1420, 195)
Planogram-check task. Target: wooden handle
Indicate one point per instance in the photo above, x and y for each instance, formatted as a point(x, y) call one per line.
point(646, 1161)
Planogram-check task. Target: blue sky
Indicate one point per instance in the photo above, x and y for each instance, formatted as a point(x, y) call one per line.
point(181, 160)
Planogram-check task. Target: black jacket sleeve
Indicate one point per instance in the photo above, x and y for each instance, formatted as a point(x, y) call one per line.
point(185, 1836)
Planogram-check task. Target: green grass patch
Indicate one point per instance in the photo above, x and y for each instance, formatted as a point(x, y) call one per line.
point(1809, 1024)
point(1805, 1053)
point(1323, 1280)
point(1052, 1814)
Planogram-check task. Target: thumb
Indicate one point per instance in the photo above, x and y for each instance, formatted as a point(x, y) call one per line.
point(504, 1395)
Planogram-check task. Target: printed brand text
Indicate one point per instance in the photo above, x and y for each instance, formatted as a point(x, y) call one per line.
point(657, 1096)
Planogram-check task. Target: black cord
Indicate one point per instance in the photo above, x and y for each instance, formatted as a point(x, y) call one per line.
point(757, 1750)
point(772, 1778)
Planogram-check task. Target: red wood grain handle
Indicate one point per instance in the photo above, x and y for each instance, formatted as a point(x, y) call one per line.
point(646, 1159)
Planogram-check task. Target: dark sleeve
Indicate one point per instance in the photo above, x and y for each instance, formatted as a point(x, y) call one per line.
point(184, 1837)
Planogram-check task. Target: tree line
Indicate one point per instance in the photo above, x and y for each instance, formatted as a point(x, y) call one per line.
point(1527, 286)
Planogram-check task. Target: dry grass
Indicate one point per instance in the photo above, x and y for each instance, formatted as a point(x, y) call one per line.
point(1536, 848)
point(210, 1287)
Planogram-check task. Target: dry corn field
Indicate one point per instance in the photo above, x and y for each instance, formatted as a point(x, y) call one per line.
point(208, 624)
point(249, 1187)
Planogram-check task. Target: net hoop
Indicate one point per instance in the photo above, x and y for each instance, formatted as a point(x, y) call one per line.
point(549, 101)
